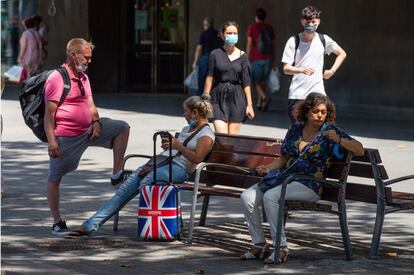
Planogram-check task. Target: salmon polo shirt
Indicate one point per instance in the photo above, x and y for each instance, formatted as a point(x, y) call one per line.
point(73, 117)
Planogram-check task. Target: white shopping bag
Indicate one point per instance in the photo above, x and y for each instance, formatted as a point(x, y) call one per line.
point(191, 80)
point(14, 74)
point(273, 82)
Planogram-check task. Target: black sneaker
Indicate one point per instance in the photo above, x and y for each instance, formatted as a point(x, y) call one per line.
point(118, 180)
point(60, 228)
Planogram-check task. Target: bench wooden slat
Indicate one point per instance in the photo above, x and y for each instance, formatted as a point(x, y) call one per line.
point(365, 158)
point(403, 196)
point(336, 169)
point(208, 190)
point(365, 193)
point(402, 199)
point(304, 205)
point(229, 179)
point(404, 204)
point(236, 159)
point(364, 170)
point(247, 144)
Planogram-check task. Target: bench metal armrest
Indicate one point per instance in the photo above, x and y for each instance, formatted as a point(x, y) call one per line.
point(127, 157)
point(392, 181)
point(198, 171)
point(329, 182)
point(221, 165)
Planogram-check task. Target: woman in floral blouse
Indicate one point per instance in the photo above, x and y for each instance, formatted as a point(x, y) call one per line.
point(307, 150)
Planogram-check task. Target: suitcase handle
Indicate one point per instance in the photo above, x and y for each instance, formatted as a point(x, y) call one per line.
point(161, 182)
point(154, 138)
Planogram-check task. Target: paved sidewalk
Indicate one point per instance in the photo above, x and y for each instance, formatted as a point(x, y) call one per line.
point(314, 239)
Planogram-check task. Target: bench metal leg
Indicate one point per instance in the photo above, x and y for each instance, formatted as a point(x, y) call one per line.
point(193, 205)
point(344, 230)
point(264, 213)
point(116, 218)
point(376, 236)
point(204, 209)
point(379, 219)
point(280, 215)
point(285, 216)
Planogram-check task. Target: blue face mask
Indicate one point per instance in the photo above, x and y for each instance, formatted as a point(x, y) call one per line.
point(311, 27)
point(231, 39)
point(192, 123)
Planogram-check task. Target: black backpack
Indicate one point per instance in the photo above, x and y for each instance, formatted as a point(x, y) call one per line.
point(264, 42)
point(32, 100)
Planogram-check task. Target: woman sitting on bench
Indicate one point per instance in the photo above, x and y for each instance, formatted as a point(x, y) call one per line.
point(307, 149)
point(197, 110)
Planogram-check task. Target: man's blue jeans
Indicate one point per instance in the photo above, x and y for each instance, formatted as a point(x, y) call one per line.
point(128, 190)
point(202, 73)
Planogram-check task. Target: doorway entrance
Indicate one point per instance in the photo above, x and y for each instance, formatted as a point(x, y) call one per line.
point(156, 46)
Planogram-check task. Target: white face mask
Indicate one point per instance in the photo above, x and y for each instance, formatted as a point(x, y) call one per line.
point(80, 67)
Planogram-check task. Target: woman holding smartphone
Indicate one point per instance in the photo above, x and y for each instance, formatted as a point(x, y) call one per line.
point(197, 110)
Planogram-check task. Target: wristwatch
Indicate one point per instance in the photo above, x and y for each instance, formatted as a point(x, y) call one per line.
point(97, 120)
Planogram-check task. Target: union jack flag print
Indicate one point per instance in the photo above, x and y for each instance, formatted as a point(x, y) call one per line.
point(159, 213)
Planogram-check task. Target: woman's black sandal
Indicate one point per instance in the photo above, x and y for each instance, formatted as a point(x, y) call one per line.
point(283, 256)
point(260, 254)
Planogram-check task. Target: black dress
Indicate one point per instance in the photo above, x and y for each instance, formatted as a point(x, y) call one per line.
point(229, 79)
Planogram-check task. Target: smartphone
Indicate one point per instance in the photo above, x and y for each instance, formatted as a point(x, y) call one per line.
point(165, 136)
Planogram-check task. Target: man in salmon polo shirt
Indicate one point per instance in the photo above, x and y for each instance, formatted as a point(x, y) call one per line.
point(75, 124)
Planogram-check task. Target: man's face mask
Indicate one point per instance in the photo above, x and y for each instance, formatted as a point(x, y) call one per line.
point(311, 27)
point(231, 39)
point(80, 67)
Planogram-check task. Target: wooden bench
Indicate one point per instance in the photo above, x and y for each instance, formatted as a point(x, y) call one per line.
point(337, 188)
point(223, 174)
point(226, 171)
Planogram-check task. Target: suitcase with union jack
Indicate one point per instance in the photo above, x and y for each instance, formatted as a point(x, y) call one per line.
point(159, 207)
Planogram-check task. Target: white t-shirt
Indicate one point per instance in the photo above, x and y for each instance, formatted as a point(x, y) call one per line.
point(184, 134)
point(309, 54)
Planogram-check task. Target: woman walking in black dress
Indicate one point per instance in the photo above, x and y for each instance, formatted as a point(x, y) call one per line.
point(229, 83)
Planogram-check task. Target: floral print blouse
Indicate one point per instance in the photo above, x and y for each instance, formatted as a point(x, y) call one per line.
point(314, 160)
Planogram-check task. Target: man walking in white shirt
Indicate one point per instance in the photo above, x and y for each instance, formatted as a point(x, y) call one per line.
point(303, 58)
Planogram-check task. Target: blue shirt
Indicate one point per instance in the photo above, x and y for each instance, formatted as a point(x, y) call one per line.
point(314, 160)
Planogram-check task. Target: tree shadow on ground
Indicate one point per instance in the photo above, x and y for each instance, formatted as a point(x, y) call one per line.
point(26, 231)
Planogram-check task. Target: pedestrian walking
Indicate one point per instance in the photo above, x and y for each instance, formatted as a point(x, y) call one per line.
point(261, 51)
point(229, 83)
point(303, 58)
point(208, 41)
point(31, 49)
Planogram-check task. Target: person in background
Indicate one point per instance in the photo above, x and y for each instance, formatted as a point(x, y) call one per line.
point(209, 40)
point(261, 51)
point(307, 149)
point(305, 60)
point(229, 83)
point(42, 27)
point(31, 49)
